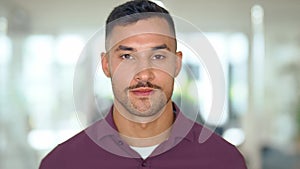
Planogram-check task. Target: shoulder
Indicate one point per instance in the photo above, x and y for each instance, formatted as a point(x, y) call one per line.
point(77, 148)
point(58, 157)
point(215, 148)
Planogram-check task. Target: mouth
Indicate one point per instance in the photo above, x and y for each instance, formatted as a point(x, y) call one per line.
point(144, 91)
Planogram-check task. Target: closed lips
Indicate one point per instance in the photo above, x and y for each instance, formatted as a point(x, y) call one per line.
point(142, 91)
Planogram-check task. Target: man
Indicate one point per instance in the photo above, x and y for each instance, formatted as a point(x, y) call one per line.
point(144, 128)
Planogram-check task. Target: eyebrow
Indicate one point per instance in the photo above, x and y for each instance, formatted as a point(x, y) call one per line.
point(163, 46)
point(127, 48)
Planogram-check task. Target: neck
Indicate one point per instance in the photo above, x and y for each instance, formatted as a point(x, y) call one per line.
point(145, 134)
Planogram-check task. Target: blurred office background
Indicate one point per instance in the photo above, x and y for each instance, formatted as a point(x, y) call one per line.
point(257, 41)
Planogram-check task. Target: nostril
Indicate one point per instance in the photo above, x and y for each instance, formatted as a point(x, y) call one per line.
point(145, 75)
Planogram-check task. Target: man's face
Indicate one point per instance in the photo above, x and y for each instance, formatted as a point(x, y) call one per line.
point(142, 62)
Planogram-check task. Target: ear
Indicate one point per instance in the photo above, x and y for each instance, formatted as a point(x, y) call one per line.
point(178, 63)
point(105, 64)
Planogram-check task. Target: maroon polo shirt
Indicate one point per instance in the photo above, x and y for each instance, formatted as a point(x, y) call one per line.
point(100, 147)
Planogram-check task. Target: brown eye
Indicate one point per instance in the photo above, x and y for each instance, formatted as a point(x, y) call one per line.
point(126, 57)
point(158, 57)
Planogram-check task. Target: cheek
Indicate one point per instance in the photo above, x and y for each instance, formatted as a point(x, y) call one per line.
point(166, 81)
point(167, 66)
point(121, 74)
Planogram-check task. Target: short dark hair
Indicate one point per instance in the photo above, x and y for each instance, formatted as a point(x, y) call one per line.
point(132, 11)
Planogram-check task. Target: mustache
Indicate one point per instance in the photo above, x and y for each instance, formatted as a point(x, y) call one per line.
point(144, 84)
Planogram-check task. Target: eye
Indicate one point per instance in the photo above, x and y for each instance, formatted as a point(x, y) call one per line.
point(158, 57)
point(126, 56)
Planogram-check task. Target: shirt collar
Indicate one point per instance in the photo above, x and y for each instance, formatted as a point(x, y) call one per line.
point(180, 128)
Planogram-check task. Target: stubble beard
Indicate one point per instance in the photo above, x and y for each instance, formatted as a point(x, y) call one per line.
point(145, 107)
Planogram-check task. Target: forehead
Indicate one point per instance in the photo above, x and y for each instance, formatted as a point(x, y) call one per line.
point(144, 42)
point(155, 27)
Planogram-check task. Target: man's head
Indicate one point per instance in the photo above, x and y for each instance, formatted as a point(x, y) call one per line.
point(141, 58)
point(133, 11)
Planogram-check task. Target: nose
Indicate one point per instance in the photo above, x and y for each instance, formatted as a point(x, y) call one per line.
point(145, 75)
point(145, 72)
